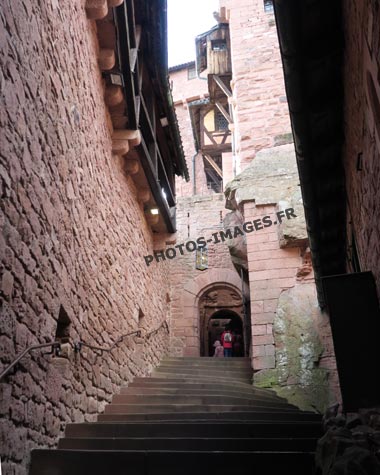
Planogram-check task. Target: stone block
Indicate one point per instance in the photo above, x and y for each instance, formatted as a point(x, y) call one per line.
point(264, 362)
point(262, 340)
point(7, 283)
point(258, 351)
point(259, 330)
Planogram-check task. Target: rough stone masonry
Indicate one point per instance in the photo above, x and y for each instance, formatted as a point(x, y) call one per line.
point(72, 231)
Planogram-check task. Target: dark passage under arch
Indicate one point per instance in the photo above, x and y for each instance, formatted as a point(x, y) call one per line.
point(216, 325)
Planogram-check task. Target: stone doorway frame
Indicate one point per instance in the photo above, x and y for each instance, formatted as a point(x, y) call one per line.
point(194, 290)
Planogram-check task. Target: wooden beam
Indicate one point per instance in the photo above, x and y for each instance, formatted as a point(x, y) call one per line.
point(213, 164)
point(209, 135)
point(113, 95)
point(132, 167)
point(124, 59)
point(133, 136)
point(114, 3)
point(106, 59)
point(96, 9)
point(143, 195)
point(222, 86)
point(152, 219)
point(120, 147)
point(224, 112)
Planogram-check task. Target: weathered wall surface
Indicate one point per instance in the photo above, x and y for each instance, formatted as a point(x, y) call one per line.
point(200, 212)
point(305, 370)
point(261, 109)
point(291, 339)
point(185, 90)
point(197, 216)
point(73, 233)
point(362, 129)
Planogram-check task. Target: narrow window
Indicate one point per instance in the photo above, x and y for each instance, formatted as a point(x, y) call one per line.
point(218, 45)
point(268, 6)
point(141, 318)
point(191, 73)
point(221, 123)
point(62, 333)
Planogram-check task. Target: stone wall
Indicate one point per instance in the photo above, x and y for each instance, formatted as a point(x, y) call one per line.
point(73, 233)
point(200, 212)
point(196, 216)
point(292, 349)
point(362, 129)
point(259, 99)
point(185, 90)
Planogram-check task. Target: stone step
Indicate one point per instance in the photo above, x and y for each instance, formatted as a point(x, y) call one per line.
point(190, 444)
point(199, 400)
point(248, 416)
point(207, 372)
point(197, 378)
point(80, 462)
point(190, 383)
point(207, 366)
point(154, 408)
point(195, 429)
point(142, 391)
point(207, 360)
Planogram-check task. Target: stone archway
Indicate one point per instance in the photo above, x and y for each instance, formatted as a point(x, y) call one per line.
point(218, 306)
point(190, 299)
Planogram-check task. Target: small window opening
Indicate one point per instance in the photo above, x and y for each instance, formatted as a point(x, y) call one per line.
point(191, 73)
point(221, 123)
point(141, 318)
point(218, 45)
point(268, 6)
point(62, 333)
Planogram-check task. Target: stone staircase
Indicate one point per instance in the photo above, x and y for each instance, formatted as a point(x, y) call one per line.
point(192, 416)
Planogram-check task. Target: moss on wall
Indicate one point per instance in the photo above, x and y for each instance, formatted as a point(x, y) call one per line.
point(298, 376)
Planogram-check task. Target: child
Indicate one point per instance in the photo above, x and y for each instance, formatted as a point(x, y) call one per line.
point(219, 350)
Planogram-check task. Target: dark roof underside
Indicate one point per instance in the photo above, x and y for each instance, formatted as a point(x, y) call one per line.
point(311, 43)
point(155, 21)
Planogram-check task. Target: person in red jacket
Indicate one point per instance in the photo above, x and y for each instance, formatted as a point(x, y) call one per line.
point(227, 341)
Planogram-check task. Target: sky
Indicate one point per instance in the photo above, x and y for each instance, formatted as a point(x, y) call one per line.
point(186, 20)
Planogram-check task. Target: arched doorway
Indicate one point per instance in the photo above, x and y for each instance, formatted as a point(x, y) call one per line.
point(219, 305)
point(217, 324)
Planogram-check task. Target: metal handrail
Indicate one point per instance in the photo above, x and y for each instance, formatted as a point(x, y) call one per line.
point(163, 324)
point(78, 346)
point(55, 347)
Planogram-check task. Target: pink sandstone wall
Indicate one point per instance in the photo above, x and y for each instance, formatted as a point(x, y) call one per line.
point(73, 233)
point(260, 105)
point(197, 216)
point(185, 90)
point(290, 336)
point(362, 129)
point(262, 122)
point(200, 212)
